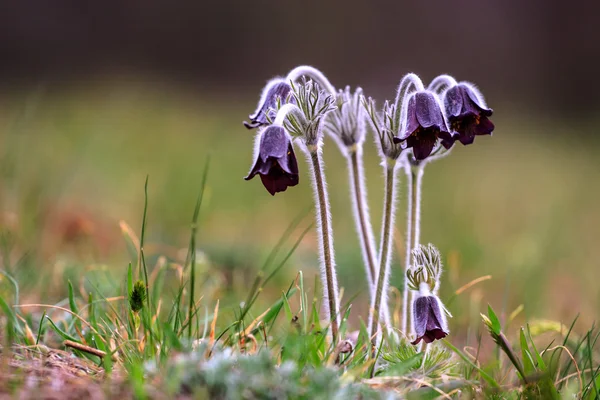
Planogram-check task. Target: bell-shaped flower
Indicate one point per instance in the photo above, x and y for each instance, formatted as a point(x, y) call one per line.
point(276, 92)
point(429, 319)
point(467, 113)
point(275, 160)
point(424, 125)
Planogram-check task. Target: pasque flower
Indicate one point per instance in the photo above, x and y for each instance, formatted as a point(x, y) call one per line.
point(276, 91)
point(275, 160)
point(429, 319)
point(467, 113)
point(424, 125)
point(428, 313)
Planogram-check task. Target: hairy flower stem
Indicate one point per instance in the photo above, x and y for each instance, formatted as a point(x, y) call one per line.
point(385, 250)
point(414, 175)
point(361, 214)
point(362, 220)
point(326, 245)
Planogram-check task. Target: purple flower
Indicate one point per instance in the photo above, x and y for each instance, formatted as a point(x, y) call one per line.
point(276, 89)
point(424, 125)
point(276, 162)
point(429, 319)
point(467, 113)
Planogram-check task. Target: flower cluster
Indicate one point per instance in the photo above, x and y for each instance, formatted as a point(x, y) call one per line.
point(430, 121)
point(422, 123)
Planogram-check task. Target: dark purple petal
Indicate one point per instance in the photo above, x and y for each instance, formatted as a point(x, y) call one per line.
point(460, 100)
point(420, 316)
point(447, 139)
point(422, 143)
point(470, 94)
point(273, 143)
point(428, 110)
point(469, 126)
point(453, 101)
point(279, 90)
point(412, 124)
point(278, 180)
point(485, 127)
point(289, 163)
point(260, 167)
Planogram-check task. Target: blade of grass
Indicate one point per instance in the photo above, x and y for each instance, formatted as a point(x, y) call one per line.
point(142, 236)
point(11, 316)
point(528, 365)
point(592, 384)
point(278, 267)
point(39, 335)
point(13, 282)
point(272, 254)
point(129, 280)
point(491, 381)
point(192, 247)
point(60, 332)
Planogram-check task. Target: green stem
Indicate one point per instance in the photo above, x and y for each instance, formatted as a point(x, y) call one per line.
point(331, 288)
point(413, 225)
point(386, 241)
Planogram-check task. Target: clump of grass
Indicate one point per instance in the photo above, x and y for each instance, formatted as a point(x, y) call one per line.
point(282, 348)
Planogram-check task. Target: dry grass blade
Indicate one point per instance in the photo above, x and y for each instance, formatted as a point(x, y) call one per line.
point(578, 373)
point(390, 381)
point(185, 322)
point(65, 310)
point(472, 283)
point(130, 234)
point(255, 322)
point(87, 349)
point(213, 325)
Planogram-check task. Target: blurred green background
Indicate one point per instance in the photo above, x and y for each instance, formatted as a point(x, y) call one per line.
point(93, 102)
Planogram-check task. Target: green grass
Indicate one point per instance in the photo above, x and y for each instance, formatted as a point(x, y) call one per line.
point(520, 206)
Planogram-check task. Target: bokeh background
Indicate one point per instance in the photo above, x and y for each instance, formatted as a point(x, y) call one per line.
point(95, 96)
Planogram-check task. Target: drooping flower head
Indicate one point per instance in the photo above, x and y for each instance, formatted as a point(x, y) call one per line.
point(275, 160)
point(429, 320)
point(424, 126)
point(346, 124)
point(276, 92)
point(467, 112)
point(428, 311)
